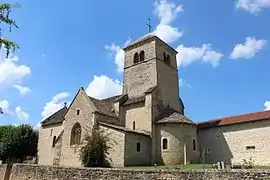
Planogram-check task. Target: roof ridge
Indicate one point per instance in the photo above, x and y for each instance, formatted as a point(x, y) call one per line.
point(234, 116)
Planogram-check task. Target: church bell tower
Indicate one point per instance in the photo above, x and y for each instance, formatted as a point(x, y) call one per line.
point(151, 63)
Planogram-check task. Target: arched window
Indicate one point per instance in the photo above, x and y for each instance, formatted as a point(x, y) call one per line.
point(138, 147)
point(164, 56)
point(53, 143)
point(142, 56)
point(194, 145)
point(168, 60)
point(75, 134)
point(164, 144)
point(136, 58)
point(134, 125)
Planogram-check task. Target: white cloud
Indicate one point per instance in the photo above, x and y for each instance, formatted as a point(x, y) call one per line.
point(267, 105)
point(118, 54)
point(167, 12)
point(55, 104)
point(252, 6)
point(23, 90)
point(11, 72)
point(22, 115)
point(248, 49)
point(5, 106)
point(102, 87)
point(188, 55)
point(183, 83)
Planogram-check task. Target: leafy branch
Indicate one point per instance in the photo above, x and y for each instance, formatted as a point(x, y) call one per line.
point(5, 11)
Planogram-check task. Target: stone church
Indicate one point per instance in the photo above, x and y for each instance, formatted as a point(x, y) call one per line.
point(147, 121)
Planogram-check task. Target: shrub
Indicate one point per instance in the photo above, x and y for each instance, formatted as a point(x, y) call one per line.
point(95, 149)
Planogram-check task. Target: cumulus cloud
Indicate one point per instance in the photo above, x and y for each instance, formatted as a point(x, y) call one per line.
point(205, 53)
point(11, 72)
point(118, 54)
point(22, 89)
point(252, 6)
point(167, 12)
point(267, 105)
point(102, 87)
point(55, 104)
point(5, 107)
point(248, 49)
point(22, 115)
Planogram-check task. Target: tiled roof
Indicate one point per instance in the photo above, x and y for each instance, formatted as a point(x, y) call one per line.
point(135, 100)
point(250, 117)
point(55, 118)
point(124, 129)
point(141, 39)
point(169, 115)
point(105, 106)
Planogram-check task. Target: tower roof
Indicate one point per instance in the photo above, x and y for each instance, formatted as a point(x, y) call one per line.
point(141, 39)
point(145, 38)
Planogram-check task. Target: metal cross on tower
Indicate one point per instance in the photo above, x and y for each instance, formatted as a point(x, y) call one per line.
point(149, 25)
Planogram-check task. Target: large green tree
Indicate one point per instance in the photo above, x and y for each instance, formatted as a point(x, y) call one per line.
point(5, 19)
point(17, 142)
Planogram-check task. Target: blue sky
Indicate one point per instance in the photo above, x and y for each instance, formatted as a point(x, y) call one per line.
point(223, 54)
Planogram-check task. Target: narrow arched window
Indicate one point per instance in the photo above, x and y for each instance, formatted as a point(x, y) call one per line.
point(142, 56)
point(168, 60)
point(133, 125)
point(138, 147)
point(194, 145)
point(164, 56)
point(164, 144)
point(54, 141)
point(136, 58)
point(75, 134)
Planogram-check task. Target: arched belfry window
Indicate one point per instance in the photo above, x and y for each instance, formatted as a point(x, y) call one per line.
point(168, 60)
point(164, 56)
point(136, 58)
point(165, 144)
point(76, 134)
point(142, 56)
point(134, 125)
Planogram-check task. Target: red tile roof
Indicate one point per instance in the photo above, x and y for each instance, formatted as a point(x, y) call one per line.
point(250, 117)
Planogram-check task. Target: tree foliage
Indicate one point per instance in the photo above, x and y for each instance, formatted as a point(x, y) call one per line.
point(17, 142)
point(5, 11)
point(95, 149)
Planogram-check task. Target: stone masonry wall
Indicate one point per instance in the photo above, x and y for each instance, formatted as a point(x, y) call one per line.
point(38, 172)
point(230, 143)
point(2, 171)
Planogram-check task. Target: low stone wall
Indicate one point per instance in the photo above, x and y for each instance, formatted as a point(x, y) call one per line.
point(38, 172)
point(2, 171)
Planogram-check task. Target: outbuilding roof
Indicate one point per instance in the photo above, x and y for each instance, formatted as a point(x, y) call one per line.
point(243, 118)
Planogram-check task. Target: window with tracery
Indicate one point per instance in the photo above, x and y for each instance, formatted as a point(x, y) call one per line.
point(76, 134)
point(136, 58)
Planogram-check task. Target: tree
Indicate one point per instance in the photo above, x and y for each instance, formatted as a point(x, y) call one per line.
point(17, 142)
point(5, 11)
point(95, 149)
